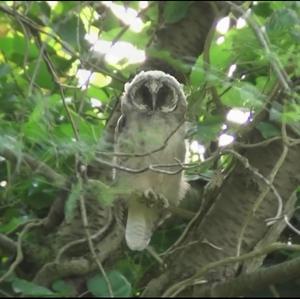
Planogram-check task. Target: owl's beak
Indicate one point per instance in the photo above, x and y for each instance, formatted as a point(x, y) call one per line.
point(151, 112)
point(154, 102)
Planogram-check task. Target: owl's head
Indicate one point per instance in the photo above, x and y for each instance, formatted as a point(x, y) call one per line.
point(153, 91)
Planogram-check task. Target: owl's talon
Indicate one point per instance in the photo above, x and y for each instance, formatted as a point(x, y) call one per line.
point(163, 201)
point(149, 194)
point(150, 197)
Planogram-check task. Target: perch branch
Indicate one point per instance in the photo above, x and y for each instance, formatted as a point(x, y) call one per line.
point(178, 287)
point(250, 282)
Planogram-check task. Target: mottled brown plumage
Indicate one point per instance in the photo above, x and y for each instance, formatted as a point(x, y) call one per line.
point(153, 109)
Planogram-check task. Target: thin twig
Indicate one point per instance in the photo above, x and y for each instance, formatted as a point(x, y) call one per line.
point(258, 144)
point(36, 165)
point(5, 294)
point(36, 69)
point(36, 28)
point(160, 148)
point(206, 58)
point(80, 241)
point(268, 182)
point(274, 291)
point(91, 245)
point(264, 41)
point(20, 255)
point(155, 255)
point(126, 27)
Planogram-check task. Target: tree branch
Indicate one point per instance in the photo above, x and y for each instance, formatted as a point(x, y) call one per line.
point(20, 254)
point(180, 286)
point(251, 282)
point(7, 245)
point(264, 41)
point(38, 166)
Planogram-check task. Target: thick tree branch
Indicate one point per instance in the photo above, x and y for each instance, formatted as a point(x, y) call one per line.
point(178, 287)
point(250, 282)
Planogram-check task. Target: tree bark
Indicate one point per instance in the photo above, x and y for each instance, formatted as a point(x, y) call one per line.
point(221, 226)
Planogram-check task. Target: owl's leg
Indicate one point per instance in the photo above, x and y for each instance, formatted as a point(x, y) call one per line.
point(151, 198)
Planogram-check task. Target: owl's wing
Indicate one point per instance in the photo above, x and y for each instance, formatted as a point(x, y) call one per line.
point(141, 221)
point(118, 129)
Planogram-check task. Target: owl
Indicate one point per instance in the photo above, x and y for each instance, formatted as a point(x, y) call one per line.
point(151, 129)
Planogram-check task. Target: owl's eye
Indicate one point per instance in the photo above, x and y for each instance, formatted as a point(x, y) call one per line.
point(162, 96)
point(144, 98)
point(165, 99)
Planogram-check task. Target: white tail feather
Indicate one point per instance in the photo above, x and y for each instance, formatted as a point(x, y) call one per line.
point(140, 224)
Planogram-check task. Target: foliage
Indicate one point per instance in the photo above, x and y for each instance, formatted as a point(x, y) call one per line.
point(38, 119)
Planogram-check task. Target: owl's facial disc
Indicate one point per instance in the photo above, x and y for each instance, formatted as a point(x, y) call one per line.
point(154, 96)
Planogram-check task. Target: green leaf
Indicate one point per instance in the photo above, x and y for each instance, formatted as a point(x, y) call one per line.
point(89, 133)
point(100, 80)
point(246, 47)
point(209, 128)
point(291, 113)
point(72, 31)
point(130, 269)
point(197, 76)
point(108, 22)
point(268, 130)
point(232, 98)
point(221, 55)
point(174, 11)
point(38, 71)
point(261, 82)
point(15, 47)
point(96, 92)
point(262, 8)
point(4, 70)
point(65, 7)
point(40, 12)
point(11, 225)
point(251, 96)
point(102, 192)
point(138, 39)
point(120, 285)
point(64, 289)
point(282, 21)
point(36, 129)
point(167, 57)
point(28, 288)
point(243, 94)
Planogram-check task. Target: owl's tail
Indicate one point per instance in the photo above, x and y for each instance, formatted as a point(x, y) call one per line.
point(141, 221)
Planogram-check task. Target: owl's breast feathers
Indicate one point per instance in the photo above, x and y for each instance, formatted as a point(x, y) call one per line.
point(160, 138)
